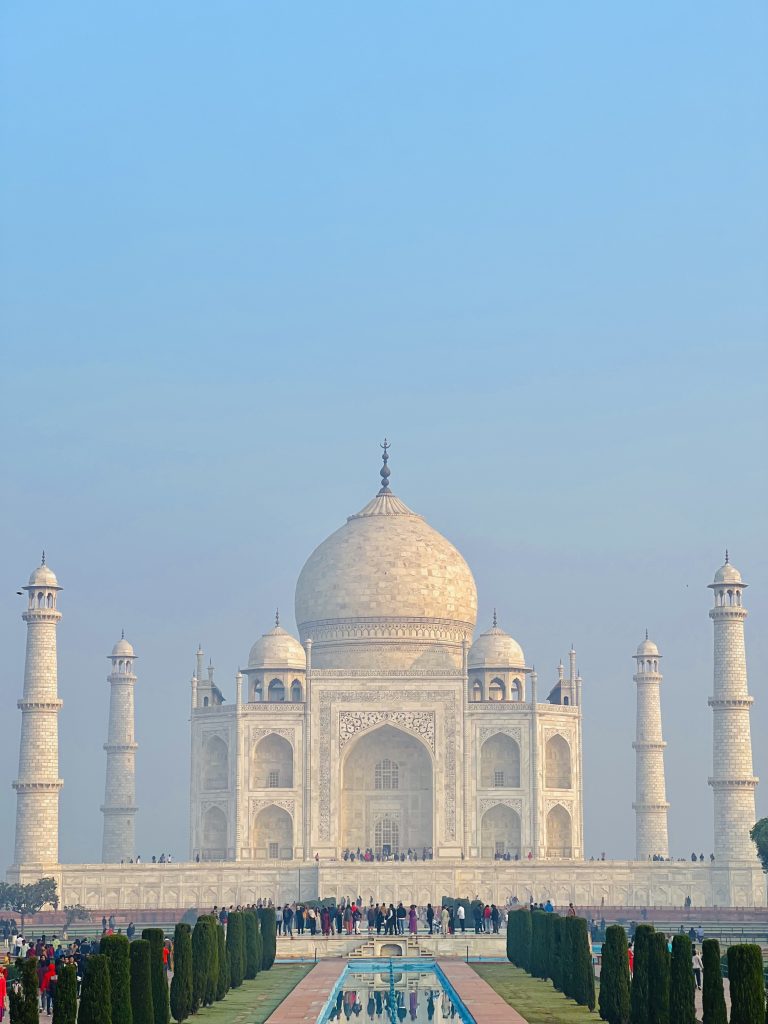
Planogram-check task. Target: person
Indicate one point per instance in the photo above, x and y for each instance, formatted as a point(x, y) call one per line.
point(46, 993)
point(700, 934)
point(103, 924)
point(571, 911)
point(401, 915)
point(460, 914)
point(299, 920)
point(444, 919)
point(311, 920)
point(112, 921)
point(631, 958)
point(698, 966)
point(430, 917)
point(692, 933)
point(548, 907)
point(478, 915)
point(130, 931)
point(288, 921)
point(3, 991)
point(486, 918)
point(413, 924)
point(279, 920)
point(494, 919)
point(371, 918)
point(325, 921)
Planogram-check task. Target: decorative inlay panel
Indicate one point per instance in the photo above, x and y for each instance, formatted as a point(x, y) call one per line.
point(491, 730)
point(420, 722)
point(286, 805)
point(259, 734)
point(488, 802)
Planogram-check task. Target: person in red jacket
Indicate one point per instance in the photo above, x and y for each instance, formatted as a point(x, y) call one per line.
point(3, 987)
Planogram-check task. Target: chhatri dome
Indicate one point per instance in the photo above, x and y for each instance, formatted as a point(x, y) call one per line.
point(728, 573)
point(277, 649)
point(495, 649)
point(386, 589)
point(44, 576)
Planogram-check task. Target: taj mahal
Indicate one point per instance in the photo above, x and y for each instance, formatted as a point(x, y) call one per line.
point(394, 729)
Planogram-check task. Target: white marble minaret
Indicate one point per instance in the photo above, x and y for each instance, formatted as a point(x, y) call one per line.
point(37, 787)
point(651, 807)
point(119, 808)
point(732, 779)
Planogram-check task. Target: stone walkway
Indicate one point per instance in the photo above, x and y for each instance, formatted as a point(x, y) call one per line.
point(305, 1002)
point(485, 1005)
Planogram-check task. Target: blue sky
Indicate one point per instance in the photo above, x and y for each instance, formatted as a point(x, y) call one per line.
point(241, 242)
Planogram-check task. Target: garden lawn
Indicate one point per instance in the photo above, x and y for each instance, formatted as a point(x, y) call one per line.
point(533, 998)
point(255, 1000)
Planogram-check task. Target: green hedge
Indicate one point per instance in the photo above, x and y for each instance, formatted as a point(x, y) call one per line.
point(658, 995)
point(582, 974)
point(141, 982)
point(116, 948)
point(65, 997)
point(747, 988)
point(160, 1004)
point(712, 995)
point(181, 983)
point(95, 993)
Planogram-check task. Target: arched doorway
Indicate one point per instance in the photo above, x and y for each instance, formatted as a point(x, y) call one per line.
point(273, 834)
point(272, 763)
point(558, 764)
point(559, 834)
point(215, 764)
point(500, 762)
point(214, 834)
point(500, 832)
point(387, 793)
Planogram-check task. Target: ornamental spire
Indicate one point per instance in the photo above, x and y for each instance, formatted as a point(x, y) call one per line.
point(43, 561)
point(726, 557)
point(384, 472)
point(494, 618)
point(277, 617)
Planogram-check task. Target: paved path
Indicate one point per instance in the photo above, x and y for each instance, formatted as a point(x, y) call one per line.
point(305, 1002)
point(485, 1005)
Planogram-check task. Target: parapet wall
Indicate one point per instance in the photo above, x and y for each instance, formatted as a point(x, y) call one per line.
point(594, 883)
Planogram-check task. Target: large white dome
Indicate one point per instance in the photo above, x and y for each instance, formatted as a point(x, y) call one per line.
point(386, 590)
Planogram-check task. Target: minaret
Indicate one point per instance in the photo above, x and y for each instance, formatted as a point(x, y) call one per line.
point(37, 787)
point(119, 807)
point(732, 778)
point(651, 833)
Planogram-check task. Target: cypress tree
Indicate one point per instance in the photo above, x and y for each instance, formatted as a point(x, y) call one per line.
point(712, 996)
point(640, 991)
point(95, 994)
point(558, 938)
point(582, 972)
point(160, 1003)
point(236, 949)
point(65, 998)
point(199, 965)
point(526, 938)
point(511, 936)
point(747, 988)
point(116, 948)
point(538, 944)
point(212, 952)
point(222, 981)
point(181, 983)
point(259, 943)
point(141, 982)
point(682, 986)
point(268, 936)
point(25, 1005)
point(658, 993)
point(614, 977)
point(566, 958)
point(251, 945)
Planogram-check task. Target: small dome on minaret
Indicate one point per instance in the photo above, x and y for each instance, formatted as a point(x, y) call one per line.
point(44, 576)
point(122, 649)
point(727, 573)
point(647, 648)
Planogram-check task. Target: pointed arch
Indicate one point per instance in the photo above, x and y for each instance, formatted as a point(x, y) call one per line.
point(272, 763)
point(214, 834)
point(559, 832)
point(558, 764)
point(500, 832)
point(272, 837)
point(215, 764)
point(500, 762)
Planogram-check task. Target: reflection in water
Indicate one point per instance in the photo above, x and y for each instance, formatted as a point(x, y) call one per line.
point(409, 996)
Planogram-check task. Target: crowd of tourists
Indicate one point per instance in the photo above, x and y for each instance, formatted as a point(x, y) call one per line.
point(367, 856)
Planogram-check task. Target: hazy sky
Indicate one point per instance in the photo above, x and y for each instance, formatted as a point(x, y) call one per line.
point(243, 241)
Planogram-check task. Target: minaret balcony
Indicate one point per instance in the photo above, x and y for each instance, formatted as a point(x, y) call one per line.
point(40, 705)
point(731, 702)
point(747, 782)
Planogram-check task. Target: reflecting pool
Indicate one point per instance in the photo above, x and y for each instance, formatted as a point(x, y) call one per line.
point(392, 991)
